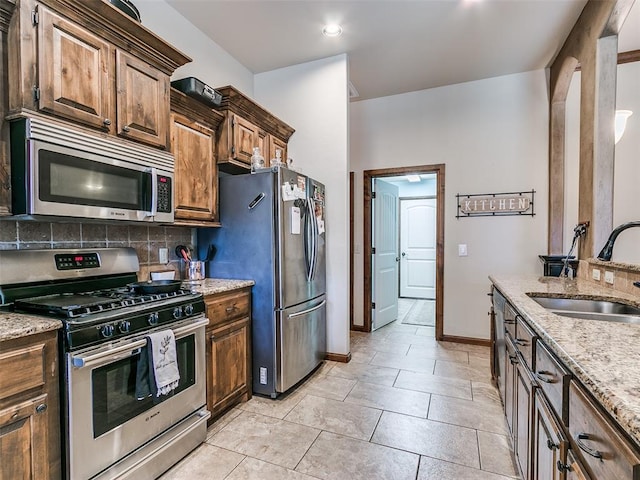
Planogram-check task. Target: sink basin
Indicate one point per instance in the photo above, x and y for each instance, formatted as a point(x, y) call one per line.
point(606, 317)
point(593, 306)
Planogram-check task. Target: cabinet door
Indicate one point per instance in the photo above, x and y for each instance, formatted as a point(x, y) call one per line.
point(523, 415)
point(277, 144)
point(23, 440)
point(73, 71)
point(575, 470)
point(509, 384)
point(244, 138)
point(549, 443)
point(142, 101)
point(263, 145)
point(228, 364)
point(196, 175)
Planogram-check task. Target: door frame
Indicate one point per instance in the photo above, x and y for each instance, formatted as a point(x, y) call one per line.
point(368, 176)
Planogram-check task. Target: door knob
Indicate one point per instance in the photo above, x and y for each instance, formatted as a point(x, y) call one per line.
point(397, 259)
point(403, 254)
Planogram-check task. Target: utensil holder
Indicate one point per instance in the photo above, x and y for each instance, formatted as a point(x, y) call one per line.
point(193, 270)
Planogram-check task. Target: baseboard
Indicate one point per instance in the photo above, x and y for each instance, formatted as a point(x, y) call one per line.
point(338, 357)
point(468, 340)
point(358, 328)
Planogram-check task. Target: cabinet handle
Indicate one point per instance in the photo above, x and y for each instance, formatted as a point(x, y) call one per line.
point(41, 408)
point(563, 467)
point(510, 322)
point(551, 445)
point(231, 309)
point(584, 448)
point(126, 129)
point(521, 341)
point(541, 376)
point(106, 122)
point(513, 359)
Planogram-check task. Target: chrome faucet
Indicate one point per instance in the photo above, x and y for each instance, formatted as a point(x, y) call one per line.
point(607, 250)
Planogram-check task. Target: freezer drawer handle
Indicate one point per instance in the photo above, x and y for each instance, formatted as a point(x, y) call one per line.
point(254, 203)
point(309, 310)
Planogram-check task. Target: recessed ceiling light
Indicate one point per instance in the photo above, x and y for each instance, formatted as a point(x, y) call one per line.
point(332, 30)
point(413, 178)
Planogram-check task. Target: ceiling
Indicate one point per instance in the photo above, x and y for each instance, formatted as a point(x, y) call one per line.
point(393, 46)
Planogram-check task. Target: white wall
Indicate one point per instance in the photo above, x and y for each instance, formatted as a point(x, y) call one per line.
point(626, 207)
point(211, 63)
point(313, 97)
point(492, 136)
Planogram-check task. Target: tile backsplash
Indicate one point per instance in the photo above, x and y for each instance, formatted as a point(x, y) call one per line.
point(144, 238)
point(624, 274)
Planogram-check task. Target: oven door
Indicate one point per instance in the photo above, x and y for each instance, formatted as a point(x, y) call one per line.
point(104, 420)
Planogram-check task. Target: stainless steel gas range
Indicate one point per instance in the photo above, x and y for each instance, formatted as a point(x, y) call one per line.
point(108, 432)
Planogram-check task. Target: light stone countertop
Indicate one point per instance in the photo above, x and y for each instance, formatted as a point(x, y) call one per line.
point(604, 356)
point(209, 286)
point(16, 325)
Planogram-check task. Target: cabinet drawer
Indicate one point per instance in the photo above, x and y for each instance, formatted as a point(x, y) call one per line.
point(553, 378)
point(603, 450)
point(525, 341)
point(510, 316)
point(227, 306)
point(21, 369)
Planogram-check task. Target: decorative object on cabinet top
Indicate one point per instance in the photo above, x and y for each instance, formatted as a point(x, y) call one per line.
point(198, 90)
point(6, 11)
point(235, 101)
point(127, 7)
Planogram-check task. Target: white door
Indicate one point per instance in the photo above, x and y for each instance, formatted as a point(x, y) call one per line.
point(418, 248)
point(385, 259)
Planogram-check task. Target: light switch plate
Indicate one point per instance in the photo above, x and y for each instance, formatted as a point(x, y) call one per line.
point(462, 250)
point(595, 273)
point(608, 277)
point(163, 255)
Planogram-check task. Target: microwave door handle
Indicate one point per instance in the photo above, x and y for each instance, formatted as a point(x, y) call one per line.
point(154, 192)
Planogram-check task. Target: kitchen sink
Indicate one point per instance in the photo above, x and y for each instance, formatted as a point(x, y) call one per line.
point(602, 310)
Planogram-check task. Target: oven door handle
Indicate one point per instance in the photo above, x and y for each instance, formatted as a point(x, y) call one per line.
point(118, 352)
point(110, 354)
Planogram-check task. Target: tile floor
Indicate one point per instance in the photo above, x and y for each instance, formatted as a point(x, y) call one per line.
point(405, 407)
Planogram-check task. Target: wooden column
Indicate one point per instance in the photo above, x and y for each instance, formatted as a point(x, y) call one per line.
point(6, 11)
point(593, 42)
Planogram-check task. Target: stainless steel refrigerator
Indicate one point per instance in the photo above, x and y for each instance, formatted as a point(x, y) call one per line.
point(273, 231)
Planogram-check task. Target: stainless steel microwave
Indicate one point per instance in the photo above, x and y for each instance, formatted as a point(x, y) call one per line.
point(58, 170)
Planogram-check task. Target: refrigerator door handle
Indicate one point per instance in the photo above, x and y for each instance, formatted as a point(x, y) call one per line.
point(308, 310)
point(314, 238)
point(308, 241)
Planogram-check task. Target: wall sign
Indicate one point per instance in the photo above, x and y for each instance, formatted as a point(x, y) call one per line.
point(495, 204)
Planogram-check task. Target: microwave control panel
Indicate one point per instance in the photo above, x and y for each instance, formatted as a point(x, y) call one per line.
point(164, 194)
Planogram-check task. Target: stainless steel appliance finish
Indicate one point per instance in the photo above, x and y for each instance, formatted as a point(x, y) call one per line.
point(58, 171)
point(108, 431)
point(273, 232)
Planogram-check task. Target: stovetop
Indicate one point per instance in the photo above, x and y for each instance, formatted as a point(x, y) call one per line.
point(85, 304)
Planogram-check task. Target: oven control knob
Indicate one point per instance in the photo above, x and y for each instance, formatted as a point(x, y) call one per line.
point(188, 309)
point(124, 326)
point(106, 331)
point(153, 318)
point(177, 312)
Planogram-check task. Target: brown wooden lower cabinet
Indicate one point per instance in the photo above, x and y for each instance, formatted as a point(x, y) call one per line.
point(228, 353)
point(549, 442)
point(523, 404)
point(29, 408)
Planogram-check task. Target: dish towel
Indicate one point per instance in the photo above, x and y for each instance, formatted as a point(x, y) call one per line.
point(157, 371)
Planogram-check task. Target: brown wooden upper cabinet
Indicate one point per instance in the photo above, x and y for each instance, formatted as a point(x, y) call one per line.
point(87, 62)
point(193, 144)
point(247, 125)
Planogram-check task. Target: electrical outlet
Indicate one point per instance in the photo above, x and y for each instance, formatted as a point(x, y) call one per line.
point(595, 273)
point(163, 255)
point(462, 250)
point(608, 277)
